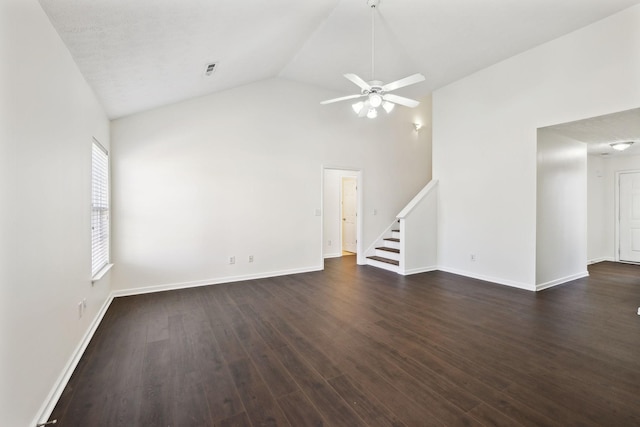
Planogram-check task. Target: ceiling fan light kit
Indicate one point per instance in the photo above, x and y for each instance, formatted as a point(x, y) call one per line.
point(376, 93)
point(375, 100)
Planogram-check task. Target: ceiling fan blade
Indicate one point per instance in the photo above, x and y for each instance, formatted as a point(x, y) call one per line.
point(358, 81)
point(343, 98)
point(411, 103)
point(415, 78)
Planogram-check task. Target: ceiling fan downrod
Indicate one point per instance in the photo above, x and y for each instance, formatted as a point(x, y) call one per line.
point(373, 4)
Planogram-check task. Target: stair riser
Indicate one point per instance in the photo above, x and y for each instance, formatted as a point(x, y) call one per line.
point(383, 265)
point(395, 234)
point(394, 245)
point(387, 254)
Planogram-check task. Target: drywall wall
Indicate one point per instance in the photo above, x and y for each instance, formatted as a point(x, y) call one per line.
point(484, 141)
point(600, 211)
point(561, 220)
point(239, 174)
point(48, 116)
point(332, 211)
point(419, 232)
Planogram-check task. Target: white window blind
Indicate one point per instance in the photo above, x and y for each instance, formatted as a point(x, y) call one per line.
point(99, 208)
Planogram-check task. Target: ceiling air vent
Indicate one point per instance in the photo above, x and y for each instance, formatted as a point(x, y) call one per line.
point(210, 68)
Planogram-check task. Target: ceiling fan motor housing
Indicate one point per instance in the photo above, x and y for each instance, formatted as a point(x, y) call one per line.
point(375, 87)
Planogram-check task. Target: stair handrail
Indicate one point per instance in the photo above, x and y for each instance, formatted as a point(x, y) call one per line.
point(417, 199)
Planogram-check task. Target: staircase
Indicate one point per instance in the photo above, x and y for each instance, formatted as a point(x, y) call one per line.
point(387, 256)
point(409, 244)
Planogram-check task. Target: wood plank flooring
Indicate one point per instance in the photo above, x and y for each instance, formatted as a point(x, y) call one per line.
point(357, 346)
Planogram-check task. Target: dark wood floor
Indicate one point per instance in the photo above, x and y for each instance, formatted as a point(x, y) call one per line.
point(356, 346)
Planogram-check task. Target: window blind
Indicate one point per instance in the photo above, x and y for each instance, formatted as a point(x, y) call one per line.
point(99, 208)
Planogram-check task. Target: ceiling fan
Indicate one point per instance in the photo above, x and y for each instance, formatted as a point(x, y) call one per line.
point(376, 93)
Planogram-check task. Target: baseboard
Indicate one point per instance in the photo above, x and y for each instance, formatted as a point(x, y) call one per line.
point(217, 281)
point(334, 255)
point(602, 259)
point(419, 270)
point(495, 280)
point(562, 280)
point(52, 399)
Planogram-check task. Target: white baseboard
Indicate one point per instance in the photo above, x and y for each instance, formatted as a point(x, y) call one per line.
point(217, 281)
point(52, 399)
point(382, 265)
point(333, 255)
point(601, 259)
point(562, 280)
point(495, 280)
point(419, 270)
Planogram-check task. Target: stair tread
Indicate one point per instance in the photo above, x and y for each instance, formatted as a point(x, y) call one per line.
point(397, 231)
point(384, 248)
point(392, 239)
point(385, 260)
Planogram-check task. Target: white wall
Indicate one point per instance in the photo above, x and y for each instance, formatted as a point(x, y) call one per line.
point(561, 228)
point(48, 116)
point(332, 211)
point(419, 233)
point(239, 173)
point(600, 211)
point(484, 141)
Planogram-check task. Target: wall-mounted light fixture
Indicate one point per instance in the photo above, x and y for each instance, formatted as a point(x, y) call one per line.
point(417, 126)
point(621, 146)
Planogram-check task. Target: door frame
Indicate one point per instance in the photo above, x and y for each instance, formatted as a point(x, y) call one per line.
point(342, 178)
point(617, 212)
point(360, 258)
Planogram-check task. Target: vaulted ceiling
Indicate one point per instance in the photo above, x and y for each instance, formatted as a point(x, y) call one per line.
point(141, 54)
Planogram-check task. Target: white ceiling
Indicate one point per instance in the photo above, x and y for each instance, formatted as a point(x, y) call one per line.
point(600, 132)
point(141, 54)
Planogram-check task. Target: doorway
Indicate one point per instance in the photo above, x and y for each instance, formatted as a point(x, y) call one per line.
point(349, 204)
point(341, 213)
point(629, 216)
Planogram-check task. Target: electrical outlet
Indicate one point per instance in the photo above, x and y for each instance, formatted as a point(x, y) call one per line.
point(473, 257)
point(329, 242)
point(232, 260)
point(80, 310)
point(250, 258)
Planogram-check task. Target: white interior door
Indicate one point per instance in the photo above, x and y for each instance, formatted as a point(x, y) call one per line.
point(629, 228)
point(349, 213)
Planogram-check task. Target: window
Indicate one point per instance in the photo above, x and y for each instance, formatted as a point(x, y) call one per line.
point(99, 208)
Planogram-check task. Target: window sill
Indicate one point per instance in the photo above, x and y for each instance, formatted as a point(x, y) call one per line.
point(100, 274)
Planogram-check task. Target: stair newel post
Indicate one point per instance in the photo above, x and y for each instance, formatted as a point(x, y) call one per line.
point(401, 227)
